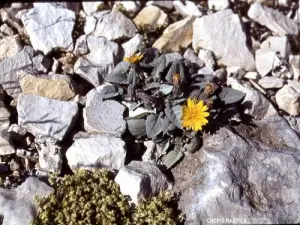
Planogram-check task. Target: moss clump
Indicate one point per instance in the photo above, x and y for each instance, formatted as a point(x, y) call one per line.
point(92, 197)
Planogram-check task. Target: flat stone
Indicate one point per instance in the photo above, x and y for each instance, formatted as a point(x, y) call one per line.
point(133, 45)
point(18, 205)
point(53, 86)
point(227, 40)
point(271, 82)
point(264, 59)
point(45, 116)
point(189, 8)
point(141, 180)
point(278, 44)
point(207, 57)
point(10, 46)
point(49, 27)
point(96, 151)
point(249, 175)
point(218, 4)
point(176, 36)
point(254, 103)
point(9, 78)
point(272, 19)
point(166, 4)
point(252, 76)
point(91, 7)
point(288, 99)
point(114, 26)
point(93, 68)
point(150, 18)
point(103, 116)
point(50, 154)
point(189, 54)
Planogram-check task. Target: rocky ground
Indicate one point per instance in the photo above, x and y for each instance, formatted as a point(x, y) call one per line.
point(66, 104)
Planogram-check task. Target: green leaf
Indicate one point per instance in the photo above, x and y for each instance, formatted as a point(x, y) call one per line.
point(229, 95)
point(119, 74)
point(172, 158)
point(174, 114)
point(137, 127)
point(154, 125)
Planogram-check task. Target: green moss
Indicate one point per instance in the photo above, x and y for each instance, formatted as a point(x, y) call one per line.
point(92, 197)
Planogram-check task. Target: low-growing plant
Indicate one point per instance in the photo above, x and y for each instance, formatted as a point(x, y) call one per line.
point(93, 197)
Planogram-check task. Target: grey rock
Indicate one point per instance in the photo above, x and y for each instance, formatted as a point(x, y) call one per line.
point(131, 7)
point(254, 103)
point(133, 45)
point(91, 7)
point(41, 63)
point(189, 54)
point(227, 40)
point(96, 151)
point(206, 71)
point(103, 116)
point(94, 68)
point(249, 175)
point(16, 132)
point(172, 57)
point(187, 9)
point(114, 26)
point(271, 82)
point(252, 76)
point(9, 70)
point(5, 147)
point(18, 205)
point(207, 57)
point(81, 47)
point(294, 123)
point(278, 44)
point(221, 74)
point(90, 24)
point(149, 155)
point(45, 116)
point(288, 99)
point(272, 19)
point(50, 154)
point(4, 116)
point(49, 27)
point(218, 4)
point(167, 4)
point(264, 59)
point(74, 6)
point(141, 180)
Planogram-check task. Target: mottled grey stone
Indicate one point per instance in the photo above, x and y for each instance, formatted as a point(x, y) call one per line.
point(96, 151)
point(288, 99)
point(133, 45)
point(18, 205)
point(45, 116)
point(189, 54)
point(141, 180)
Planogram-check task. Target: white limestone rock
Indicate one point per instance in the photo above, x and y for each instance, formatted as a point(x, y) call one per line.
point(271, 82)
point(288, 99)
point(252, 76)
point(96, 151)
point(264, 60)
point(278, 44)
point(10, 46)
point(133, 45)
point(207, 57)
point(91, 7)
point(187, 9)
point(218, 4)
point(227, 39)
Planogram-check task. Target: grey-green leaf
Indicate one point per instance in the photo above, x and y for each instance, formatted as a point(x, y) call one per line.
point(154, 125)
point(229, 95)
point(172, 158)
point(119, 74)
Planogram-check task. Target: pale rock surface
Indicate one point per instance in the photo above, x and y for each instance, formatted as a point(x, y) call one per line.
point(141, 180)
point(218, 4)
point(96, 151)
point(294, 61)
point(264, 61)
point(288, 99)
point(18, 205)
point(133, 45)
point(272, 19)
point(278, 44)
point(189, 54)
point(207, 57)
point(187, 9)
point(252, 75)
point(271, 82)
point(49, 27)
point(10, 46)
point(91, 7)
point(227, 40)
point(166, 4)
point(176, 36)
point(150, 17)
point(131, 7)
point(45, 116)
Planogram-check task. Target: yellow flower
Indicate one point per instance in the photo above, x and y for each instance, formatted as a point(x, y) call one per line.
point(133, 59)
point(194, 115)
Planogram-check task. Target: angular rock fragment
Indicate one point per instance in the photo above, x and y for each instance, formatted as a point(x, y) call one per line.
point(189, 8)
point(176, 36)
point(41, 63)
point(271, 82)
point(91, 7)
point(150, 18)
point(5, 147)
point(103, 116)
point(114, 26)
point(9, 47)
point(273, 19)
point(18, 205)
point(141, 180)
point(131, 7)
point(81, 47)
point(166, 4)
point(96, 151)
point(189, 54)
point(288, 99)
point(54, 86)
point(252, 75)
point(264, 60)
point(49, 27)
point(207, 57)
point(218, 4)
point(45, 116)
point(133, 45)
point(278, 44)
point(94, 68)
point(227, 40)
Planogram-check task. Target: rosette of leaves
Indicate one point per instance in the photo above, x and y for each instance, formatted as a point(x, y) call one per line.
point(156, 90)
point(93, 197)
